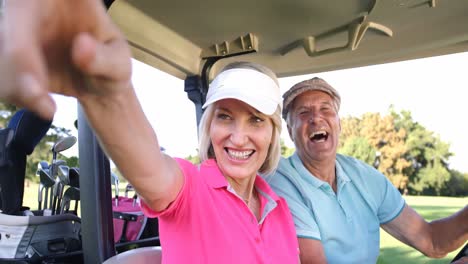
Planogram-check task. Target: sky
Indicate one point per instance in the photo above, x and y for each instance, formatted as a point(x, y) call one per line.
point(434, 90)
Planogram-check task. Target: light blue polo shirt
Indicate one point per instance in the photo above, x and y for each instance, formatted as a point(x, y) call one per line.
point(347, 223)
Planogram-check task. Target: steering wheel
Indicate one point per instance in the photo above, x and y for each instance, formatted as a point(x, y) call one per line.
point(463, 253)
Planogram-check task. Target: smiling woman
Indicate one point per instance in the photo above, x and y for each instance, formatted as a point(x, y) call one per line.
point(240, 133)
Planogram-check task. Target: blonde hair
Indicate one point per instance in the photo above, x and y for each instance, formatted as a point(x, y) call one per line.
point(274, 151)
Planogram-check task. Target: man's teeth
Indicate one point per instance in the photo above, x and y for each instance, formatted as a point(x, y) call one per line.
point(319, 135)
point(240, 154)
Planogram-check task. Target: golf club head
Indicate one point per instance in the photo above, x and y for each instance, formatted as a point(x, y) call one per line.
point(74, 176)
point(63, 174)
point(43, 165)
point(72, 193)
point(54, 167)
point(128, 188)
point(60, 163)
point(64, 144)
point(45, 178)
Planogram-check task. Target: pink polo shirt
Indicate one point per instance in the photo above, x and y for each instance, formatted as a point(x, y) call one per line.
point(209, 223)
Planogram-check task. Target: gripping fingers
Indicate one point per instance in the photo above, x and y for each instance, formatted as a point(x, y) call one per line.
point(109, 60)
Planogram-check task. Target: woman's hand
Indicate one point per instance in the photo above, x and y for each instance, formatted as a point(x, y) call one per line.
point(66, 47)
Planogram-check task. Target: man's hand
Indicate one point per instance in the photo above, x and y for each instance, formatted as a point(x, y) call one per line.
point(463, 260)
point(66, 47)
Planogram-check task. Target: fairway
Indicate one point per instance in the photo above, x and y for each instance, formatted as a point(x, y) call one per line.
point(392, 251)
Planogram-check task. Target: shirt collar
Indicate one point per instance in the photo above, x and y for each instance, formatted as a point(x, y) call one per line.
point(215, 179)
point(210, 170)
point(296, 162)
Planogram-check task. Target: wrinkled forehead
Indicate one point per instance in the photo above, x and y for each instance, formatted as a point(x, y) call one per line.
point(313, 98)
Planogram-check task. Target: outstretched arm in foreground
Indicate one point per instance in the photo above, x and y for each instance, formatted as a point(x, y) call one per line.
point(73, 48)
point(434, 239)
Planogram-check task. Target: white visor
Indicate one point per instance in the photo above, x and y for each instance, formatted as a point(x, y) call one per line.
point(249, 86)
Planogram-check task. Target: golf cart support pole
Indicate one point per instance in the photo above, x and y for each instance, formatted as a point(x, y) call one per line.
point(96, 205)
point(196, 87)
point(193, 88)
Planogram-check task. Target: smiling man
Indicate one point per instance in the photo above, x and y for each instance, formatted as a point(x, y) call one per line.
point(338, 202)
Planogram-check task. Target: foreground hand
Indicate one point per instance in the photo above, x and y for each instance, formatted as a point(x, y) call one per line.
point(66, 47)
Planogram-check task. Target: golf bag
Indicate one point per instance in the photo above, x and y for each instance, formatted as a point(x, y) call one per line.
point(130, 224)
point(129, 220)
point(34, 238)
point(24, 237)
point(18, 140)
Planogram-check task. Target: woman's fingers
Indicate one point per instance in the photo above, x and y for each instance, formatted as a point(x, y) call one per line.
point(33, 97)
point(22, 70)
point(66, 47)
point(22, 88)
point(109, 60)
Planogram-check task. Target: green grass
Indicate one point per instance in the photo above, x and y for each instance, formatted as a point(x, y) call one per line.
point(392, 251)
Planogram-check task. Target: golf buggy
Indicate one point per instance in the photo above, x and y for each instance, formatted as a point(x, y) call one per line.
point(193, 40)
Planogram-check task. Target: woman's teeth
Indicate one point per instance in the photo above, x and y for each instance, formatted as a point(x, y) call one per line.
point(240, 155)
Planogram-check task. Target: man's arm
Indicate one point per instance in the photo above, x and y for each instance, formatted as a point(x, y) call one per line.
point(311, 251)
point(434, 239)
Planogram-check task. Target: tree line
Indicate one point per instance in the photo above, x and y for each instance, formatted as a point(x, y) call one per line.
point(412, 157)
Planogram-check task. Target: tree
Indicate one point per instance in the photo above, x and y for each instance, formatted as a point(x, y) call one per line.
point(457, 185)
point(285, 150)
point(195, 159)
point(411, 156)
point(360, 148)
point(429, 172)
point(431, 179)
point(6, 112)
point(375, 140)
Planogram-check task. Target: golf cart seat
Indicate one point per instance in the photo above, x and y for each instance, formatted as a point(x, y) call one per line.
point(139, 255)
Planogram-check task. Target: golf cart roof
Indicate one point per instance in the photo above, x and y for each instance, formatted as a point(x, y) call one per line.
point(291, 37)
